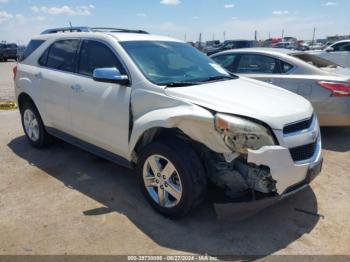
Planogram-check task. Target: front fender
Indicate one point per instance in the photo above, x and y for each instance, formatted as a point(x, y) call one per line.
point(154, 110)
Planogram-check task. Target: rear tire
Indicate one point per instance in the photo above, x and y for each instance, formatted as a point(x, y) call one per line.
point(33, 126)
point(184, 184)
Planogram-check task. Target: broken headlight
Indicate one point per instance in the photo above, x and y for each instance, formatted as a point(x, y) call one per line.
point(241, 134)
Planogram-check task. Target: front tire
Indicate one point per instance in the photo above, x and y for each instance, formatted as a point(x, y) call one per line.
point(171, 177)
point(33, 126)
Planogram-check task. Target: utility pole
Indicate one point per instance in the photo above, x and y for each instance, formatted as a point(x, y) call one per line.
point(313, 35)
point(255, 35)
point(224, 36)
point(282, 34)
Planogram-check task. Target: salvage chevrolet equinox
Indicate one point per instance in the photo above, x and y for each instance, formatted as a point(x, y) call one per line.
point(158, 105)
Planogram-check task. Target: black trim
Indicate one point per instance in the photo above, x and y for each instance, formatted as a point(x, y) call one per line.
point(89, 147)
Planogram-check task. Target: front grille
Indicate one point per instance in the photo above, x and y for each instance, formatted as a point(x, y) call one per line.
point(297, 127)
point(302, 153)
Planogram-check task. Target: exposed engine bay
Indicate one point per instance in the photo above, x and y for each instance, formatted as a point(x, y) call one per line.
point(237, 177)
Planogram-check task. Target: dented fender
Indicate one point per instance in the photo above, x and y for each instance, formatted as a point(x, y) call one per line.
point(155, 110)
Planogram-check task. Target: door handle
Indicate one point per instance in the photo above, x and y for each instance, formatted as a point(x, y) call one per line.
point(77, 88)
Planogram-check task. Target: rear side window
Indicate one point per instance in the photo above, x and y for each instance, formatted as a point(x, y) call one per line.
point(285, 67)
point(32, 46)
point(257, 64)
point(94, 55)
point(61, 55)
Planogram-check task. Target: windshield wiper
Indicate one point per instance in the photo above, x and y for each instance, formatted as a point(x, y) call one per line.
point(217, 78)
point(180, 84)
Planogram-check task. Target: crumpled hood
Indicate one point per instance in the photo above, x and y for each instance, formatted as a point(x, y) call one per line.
point(247, 97)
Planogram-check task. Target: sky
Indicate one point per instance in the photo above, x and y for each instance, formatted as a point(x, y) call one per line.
point(20, 20)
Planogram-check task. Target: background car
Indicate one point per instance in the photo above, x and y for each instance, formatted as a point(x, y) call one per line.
point(232, 44)
point(286, 45)
point(324, 83)
point(338, 53)
point(8, 51)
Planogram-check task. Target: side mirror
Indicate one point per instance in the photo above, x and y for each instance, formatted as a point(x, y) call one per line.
point(329, 49)
point(110, 75)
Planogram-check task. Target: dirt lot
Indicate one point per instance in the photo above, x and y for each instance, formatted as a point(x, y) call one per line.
point(6, 81)
point(63, 200)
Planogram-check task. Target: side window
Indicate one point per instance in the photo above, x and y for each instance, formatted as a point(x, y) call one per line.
point(43, 59)
point(285, 67)
point(32, 46)
point(342, 47)
point(257, 64)
point(94, 55)
point(226, 61)
point(62, 55)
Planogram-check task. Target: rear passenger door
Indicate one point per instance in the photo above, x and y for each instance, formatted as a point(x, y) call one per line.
point(260, 67)
point(54, 78)
point(100, 111)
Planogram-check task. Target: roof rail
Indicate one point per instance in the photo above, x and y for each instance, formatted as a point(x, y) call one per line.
point(117, 30)
point(91, 29)
point(66, 29)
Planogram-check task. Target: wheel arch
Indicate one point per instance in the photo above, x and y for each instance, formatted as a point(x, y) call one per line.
point(194, 124)
point(24, 97)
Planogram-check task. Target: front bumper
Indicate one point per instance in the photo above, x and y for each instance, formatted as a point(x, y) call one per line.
point(284, 170)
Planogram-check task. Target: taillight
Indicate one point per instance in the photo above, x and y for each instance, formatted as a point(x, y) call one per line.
point(339, 89)
point(14, 72)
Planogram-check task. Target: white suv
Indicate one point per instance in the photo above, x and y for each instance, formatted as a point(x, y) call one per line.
point(158, 105)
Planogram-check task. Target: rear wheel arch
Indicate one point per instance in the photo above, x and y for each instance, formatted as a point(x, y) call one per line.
point(23, 98)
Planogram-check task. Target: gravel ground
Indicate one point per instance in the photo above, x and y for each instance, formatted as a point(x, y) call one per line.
point(63, 200)
point(6, 81)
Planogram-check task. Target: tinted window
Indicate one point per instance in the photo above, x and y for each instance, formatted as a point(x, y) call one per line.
point(285, 67)
point(62, 55)
point(342, 47)
point(94, 55)
point(225, 61)
point(257, 64)
point(43, 58)
point(11, 46)
point(32, 46)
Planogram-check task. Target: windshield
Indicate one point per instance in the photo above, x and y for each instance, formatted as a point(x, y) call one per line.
point(316, 61)
point(166, 63)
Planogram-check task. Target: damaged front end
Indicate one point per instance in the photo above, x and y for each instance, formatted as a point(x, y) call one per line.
point(257, 167)
point(238, 178)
